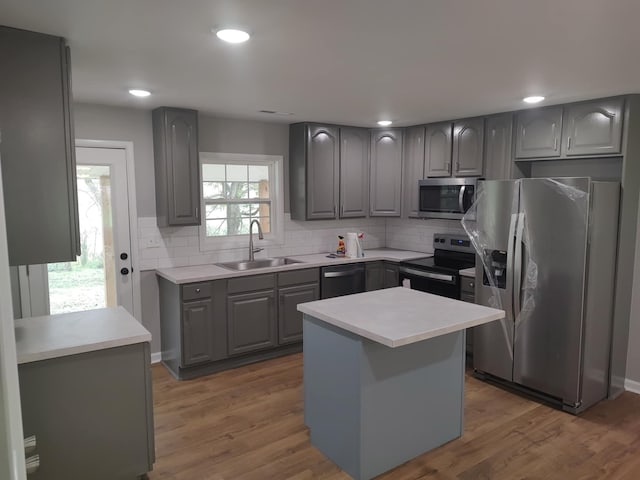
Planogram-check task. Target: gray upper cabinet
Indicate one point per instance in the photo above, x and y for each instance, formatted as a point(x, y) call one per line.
point(354, 172)
point(314, 163)
point(413, 169)
point(593, 128)
point(197, 322)
point(498, 146)
point(468, 142)
point(177, 166)
point(538, 133)
point(438, 150)
point(37, 148)
point(386, 173)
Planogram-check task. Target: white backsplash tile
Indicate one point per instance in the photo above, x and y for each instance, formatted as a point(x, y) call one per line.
point(180, 246)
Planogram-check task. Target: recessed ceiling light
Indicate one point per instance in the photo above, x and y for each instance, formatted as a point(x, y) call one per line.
point(533, 99)
point(232, 35)
point(385, 123)
point(139, 93)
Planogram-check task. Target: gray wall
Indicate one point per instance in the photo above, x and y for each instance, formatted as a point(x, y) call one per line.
point(99, 122)
point(633, 353)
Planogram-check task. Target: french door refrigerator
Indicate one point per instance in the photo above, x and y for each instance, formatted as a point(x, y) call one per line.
point(546, 255)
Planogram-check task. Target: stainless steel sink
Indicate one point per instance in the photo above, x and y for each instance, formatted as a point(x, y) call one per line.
point(255, 264)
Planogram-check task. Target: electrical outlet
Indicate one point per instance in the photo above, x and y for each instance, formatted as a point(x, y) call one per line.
point(152, 242)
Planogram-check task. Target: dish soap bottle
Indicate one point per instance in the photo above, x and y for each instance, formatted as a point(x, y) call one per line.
point(341, 250)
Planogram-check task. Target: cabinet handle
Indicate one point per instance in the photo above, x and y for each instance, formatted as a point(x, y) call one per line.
point(341, 210)
point(447, 166)
point(457, 166)
point(472, 285)
point(196, 212)
point(569, 143)
point(555, 143)
point(197, 290)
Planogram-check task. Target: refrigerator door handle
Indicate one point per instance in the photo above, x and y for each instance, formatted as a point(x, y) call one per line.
point(510, 250)
point(517, 285)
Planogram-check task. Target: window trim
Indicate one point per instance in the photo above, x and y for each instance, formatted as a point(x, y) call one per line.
point(276, 236)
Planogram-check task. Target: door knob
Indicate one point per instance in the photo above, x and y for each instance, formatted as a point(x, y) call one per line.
point(124, 271)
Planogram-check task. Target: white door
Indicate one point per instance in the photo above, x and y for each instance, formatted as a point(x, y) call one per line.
point(12, 462)
point(102, 275)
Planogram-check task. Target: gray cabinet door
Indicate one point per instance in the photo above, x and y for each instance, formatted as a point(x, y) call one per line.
point(413, 169)
point(354, 172)
point(177, 166)
point(251, 321)
point(289, 318)
point(538, 133)
point(391, 275)
point(386, 173)
point(197, 338)
point(37, 148)
point(374, 276)
point(593, 128)
point(323, 160)
point(438, 150)
point(497, 146)
point(468, 151)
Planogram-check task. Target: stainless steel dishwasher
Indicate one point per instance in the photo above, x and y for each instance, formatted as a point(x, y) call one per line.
point(340, 280)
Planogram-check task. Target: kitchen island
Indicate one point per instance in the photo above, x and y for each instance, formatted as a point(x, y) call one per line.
point(384, 375)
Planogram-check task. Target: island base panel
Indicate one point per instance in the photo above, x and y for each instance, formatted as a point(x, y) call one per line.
point(371, 408)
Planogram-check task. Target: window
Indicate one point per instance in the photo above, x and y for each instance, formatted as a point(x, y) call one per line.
point(237, 189)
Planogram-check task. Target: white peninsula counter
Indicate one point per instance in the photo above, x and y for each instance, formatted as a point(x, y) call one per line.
point(384, 375)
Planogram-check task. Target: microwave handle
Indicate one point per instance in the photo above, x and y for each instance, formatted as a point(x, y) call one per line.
point(461, 198)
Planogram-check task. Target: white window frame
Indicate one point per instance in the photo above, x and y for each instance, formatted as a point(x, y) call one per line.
point(276, 174)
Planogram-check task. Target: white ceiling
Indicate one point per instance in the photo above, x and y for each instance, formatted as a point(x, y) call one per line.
point(343, 61)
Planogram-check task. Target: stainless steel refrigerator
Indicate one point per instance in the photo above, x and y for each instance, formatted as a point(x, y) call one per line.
point(547, 255)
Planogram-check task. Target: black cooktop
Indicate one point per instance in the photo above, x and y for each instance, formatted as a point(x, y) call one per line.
point(443, 261)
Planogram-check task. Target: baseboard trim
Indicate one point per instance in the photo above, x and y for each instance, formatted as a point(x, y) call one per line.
point(156, 357)
point(632, 386)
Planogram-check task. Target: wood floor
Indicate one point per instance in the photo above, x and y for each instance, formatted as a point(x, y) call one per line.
point(247, 424)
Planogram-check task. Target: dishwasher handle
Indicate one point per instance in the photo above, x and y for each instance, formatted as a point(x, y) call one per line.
point(344, 273)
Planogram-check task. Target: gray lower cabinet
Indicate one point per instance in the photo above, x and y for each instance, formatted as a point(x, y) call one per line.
point(91, 413)
point(289, 318)
point(391, 275)
point(197, 338)
point(438, 150)
point(354, 169)
point(177, 166)
point(386, 173)
point(468, 151)
point(251, 321)
point(538, 132)
point(37, 147)
point(593, 128)
point(374, 276)
point(380, 275)
point(498, 146)
point(412, 170)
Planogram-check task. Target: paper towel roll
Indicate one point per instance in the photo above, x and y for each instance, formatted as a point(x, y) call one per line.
point(352, 245)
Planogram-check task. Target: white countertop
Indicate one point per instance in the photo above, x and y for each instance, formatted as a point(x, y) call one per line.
point(399, 316)
point(468, 272)
point(53, 336)
point(202, 273)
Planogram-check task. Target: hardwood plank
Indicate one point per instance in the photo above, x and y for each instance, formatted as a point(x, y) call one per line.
point(247, 424)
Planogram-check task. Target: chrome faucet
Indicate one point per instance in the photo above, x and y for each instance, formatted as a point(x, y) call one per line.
point(252, 250)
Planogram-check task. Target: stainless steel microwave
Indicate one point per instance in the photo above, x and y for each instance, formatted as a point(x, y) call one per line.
point(446, 197)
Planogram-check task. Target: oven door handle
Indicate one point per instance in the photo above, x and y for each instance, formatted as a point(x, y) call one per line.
point(441, 277)
point(461, 198)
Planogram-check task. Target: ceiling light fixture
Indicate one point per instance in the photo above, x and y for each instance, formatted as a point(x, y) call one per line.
point(384, 123)
point(533, 99)
point(232, 35)
point(139, 93)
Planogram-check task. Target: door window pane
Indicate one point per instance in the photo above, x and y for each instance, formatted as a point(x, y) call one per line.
point(90, 281)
